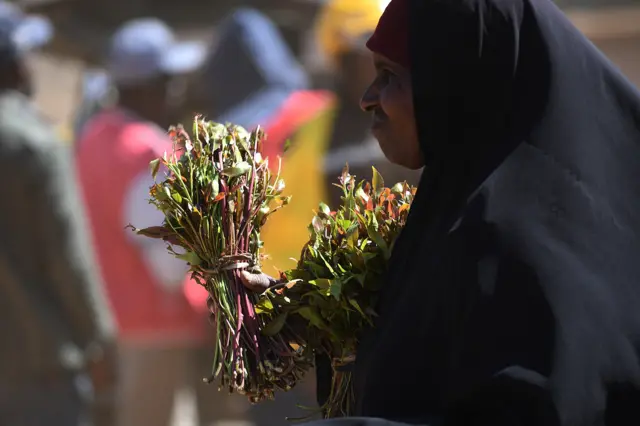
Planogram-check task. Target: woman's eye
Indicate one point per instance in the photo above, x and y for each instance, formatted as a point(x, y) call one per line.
point(384, 75)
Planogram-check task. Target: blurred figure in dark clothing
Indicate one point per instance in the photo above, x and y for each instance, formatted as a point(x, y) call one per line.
point(251, 78)
point(56, 355)
point(341, 30)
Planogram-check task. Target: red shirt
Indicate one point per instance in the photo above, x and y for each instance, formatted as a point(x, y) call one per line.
point(116, 148)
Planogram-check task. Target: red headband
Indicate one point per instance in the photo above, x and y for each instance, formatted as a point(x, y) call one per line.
point(391, 37)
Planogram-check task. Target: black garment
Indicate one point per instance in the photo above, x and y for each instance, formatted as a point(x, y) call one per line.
point(52, 305)
point(514, 292)
point(251, 72)
point(62, 402)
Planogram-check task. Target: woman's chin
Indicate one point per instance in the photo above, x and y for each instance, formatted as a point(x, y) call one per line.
point(398, 159)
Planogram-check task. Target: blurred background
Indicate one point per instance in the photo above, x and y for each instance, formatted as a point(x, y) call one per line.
point(83, 28)
point(296, 67)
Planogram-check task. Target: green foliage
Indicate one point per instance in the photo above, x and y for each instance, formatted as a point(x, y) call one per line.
point(216, 193)
point(335, 286)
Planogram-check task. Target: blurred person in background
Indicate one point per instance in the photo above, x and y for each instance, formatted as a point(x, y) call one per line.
point(341, 30)
point(251, 78)
point(158, 327)
point(96, 94)
point(57, 353)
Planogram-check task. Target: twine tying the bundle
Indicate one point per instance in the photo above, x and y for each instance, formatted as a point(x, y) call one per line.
point(343, 364)
point(231, 262)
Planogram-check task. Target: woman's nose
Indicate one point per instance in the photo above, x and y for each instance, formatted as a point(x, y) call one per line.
point(369, 99)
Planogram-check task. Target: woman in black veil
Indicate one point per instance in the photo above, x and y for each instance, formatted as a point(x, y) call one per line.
point(514, 292)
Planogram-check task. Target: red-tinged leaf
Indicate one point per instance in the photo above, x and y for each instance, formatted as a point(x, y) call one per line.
point(370, 204)
point(173, 240)
point(153, 231)
point(403, 208)
point(345, 174)
point(219, 197)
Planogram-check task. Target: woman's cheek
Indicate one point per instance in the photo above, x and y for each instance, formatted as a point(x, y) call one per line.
point(389, 101)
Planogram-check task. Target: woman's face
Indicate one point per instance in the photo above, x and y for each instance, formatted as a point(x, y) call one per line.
point(390, 101)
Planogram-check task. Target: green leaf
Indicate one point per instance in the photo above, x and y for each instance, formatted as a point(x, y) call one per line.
point(377, 239)
point(356, 305)
point(190, 257)
point(287, 145)
point(318, 225)
point(312, 315)
point(377, 182)
point(316, 269)
point(264, 305)
point(167, 192)
point(217, 131)
point(362, 195)
point(241, 132)
point(318, 299)
point(237, 170)
point(352, 235)
point(195, 129)
point(327, 264)
point(177, 197)
point(215, 188)
point(275, 325)
point(324, 209)
point(321, 283)
point(238, 154)
point(336, 289)
point(154, 165)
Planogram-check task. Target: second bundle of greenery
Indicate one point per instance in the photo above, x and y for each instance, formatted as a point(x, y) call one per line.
point(335, 286)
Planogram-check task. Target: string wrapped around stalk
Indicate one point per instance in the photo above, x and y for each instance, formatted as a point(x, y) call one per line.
point(216, 194)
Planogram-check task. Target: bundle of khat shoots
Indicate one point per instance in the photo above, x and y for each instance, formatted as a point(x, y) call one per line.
point(216, 194)
point(336, 282)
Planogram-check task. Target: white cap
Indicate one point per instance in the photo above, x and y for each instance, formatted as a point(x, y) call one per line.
point(146, 48)
point(20, 32)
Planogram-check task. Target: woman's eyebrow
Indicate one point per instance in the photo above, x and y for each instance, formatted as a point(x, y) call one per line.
point(380, 63)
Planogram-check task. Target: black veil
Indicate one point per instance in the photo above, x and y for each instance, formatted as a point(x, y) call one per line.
point(514, 293)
